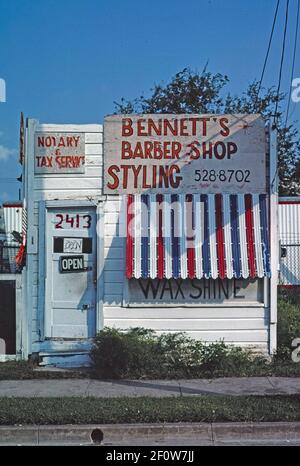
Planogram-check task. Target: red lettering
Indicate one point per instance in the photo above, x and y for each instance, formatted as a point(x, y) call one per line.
point(176, 149)
point(231, 149)
point(163, 176)
point(194, 125)
point(126, 149)
point(125, 169)
point(41, 141)
point(62, 141)
point(156, 129)
point(112, 171)
point(183, 127)
point(174, 180)
point(171, 126)
point(127, 127)
point(225, 129)
point(158, 153)
point(148, 149)
point(207, 151)
point(136, 171)
point(195, 152)
point(219, 155)
point(145, 184)
point(204, 121)
point(141, 131)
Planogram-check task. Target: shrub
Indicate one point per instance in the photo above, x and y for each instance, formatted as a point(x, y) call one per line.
point(140, 353)
point(288, 324)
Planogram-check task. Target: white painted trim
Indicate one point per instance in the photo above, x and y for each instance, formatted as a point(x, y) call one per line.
point(243, 239)
point(257, 236)
point(274, 244)
point(212, 235)
point(183, 233)
point(89, 128)
point(73, 202)
point(167, 235)
point(153, 236)
point(29, 161)
point(199, 216)
point(227, 235)
point(137, 236)
point(42, 269)
point(100, 232)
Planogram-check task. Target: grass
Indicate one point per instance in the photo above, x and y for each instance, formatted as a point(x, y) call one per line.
point(148, 410)
point(22, 370)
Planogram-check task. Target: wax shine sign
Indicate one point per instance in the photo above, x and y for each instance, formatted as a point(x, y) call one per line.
point(59, 153)
point(165, 153)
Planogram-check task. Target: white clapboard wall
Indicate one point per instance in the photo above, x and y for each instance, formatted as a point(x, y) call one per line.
point(49, 187)
point(241, 325)
point(246, 325)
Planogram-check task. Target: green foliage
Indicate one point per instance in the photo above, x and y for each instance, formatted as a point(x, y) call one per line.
point(15, 411)
point(140, 353)
point(25, 370)
point(192, 92)
point(187, 92)
point(288, 324)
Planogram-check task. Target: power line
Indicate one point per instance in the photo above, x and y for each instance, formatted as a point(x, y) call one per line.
point(269, 47)
point(293, 64)
point(282, 58)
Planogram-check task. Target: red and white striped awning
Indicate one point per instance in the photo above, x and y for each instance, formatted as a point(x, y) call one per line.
point(197, 236)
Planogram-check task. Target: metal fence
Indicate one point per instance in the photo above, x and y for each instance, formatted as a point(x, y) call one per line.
point(8, 254)
point(290, 264)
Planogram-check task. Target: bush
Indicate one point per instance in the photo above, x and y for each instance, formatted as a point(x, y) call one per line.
point(140, 353)
point(288, 324)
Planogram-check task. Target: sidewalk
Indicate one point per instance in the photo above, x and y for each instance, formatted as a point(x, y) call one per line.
point(154, 388)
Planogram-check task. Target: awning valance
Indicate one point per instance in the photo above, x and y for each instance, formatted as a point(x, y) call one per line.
point(197, 236)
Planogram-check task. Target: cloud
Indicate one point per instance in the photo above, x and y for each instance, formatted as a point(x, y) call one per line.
point(5, 152)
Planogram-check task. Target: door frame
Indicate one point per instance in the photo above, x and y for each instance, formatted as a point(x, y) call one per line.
point(44, 207)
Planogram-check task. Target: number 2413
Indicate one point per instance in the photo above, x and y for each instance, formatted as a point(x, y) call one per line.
point(70, 221)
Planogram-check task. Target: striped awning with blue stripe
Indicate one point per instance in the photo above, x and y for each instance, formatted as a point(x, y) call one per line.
point(197, 236)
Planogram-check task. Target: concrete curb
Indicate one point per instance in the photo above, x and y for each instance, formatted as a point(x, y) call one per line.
point(234, 433)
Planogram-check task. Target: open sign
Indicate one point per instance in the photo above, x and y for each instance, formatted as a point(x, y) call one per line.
point(71, 264)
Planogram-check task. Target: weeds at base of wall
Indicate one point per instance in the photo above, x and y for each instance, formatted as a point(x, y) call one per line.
point(139, 353)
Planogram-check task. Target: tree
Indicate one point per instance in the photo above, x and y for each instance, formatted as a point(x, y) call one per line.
point(191, 92)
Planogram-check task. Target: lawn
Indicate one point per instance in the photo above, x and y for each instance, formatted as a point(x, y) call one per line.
point(148, 410)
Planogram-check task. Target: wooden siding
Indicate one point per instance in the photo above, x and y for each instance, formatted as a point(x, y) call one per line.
point(244, 325)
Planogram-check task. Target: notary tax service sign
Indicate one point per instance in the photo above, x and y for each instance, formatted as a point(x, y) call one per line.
point(165, 153)
point(59, 153)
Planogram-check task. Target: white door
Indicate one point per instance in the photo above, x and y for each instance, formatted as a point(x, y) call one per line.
point(71, 273)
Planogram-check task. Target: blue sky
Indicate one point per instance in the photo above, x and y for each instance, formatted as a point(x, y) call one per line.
point(67, 61)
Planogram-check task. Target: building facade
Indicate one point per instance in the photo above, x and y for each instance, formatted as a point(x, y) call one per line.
point(85, 269)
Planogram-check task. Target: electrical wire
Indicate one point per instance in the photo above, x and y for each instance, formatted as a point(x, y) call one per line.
point(269, 47)
point(293, 64)
point(281, 61)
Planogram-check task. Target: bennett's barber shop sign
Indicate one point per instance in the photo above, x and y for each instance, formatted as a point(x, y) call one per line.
point(184, 153)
